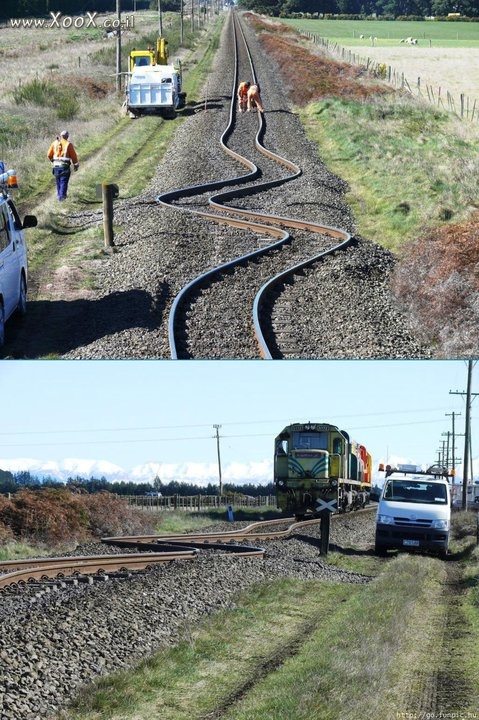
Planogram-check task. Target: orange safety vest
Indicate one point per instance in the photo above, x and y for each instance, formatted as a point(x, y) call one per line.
point(61, 153)
point(243, 91)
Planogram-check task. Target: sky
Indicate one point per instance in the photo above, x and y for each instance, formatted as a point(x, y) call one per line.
point(132, 420)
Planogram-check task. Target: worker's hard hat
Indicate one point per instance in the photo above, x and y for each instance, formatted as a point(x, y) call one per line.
point(64, 133)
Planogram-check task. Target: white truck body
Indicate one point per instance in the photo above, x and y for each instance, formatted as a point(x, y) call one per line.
point(154, 89)
point(414, 512)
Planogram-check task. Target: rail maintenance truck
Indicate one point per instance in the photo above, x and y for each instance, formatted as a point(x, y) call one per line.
point(154, 86)
point(414, 511)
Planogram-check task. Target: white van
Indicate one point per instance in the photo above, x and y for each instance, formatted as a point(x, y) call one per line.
point(414, 512)
point(13, 257)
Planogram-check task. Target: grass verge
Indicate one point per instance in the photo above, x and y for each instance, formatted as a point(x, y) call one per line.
point(293, 649)
point(127, 155)
point(175, 522)
point(406, 164)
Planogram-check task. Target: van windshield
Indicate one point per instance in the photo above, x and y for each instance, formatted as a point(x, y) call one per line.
point(417, 492)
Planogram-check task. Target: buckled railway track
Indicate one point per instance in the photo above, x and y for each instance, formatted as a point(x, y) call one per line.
point(260, 268)
point(20, 572)
point(157, 549)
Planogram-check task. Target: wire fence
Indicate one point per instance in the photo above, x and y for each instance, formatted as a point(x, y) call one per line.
point(197, 502)
point(465, 108)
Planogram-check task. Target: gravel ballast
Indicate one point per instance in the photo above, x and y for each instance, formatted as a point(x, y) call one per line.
point(160, 249)
point(53, 642)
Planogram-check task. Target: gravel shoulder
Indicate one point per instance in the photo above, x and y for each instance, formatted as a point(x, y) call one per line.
point(50, 643)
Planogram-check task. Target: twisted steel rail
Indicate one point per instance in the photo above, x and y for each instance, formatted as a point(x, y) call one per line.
point(253, 221)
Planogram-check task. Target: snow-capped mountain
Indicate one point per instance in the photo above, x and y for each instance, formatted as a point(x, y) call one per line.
point(197, 473)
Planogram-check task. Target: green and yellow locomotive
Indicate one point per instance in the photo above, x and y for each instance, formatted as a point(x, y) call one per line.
point(318, 469)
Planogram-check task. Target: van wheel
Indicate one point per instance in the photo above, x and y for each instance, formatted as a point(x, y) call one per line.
point(22, 300)
point(380, 550)
point(2, 325)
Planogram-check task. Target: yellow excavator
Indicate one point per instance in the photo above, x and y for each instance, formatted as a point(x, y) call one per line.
point(154, 86)
point(150, 57)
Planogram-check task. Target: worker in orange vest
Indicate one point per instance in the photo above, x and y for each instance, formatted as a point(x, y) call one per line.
point(254, 99)
point(243, 95)
point(62, 155)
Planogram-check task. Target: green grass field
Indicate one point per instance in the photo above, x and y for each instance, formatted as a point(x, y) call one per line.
point(347, 32)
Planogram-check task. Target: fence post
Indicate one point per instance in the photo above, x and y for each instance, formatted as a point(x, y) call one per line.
point(109, 192)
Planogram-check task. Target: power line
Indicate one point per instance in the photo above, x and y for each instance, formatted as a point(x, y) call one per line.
point(275, 421)
point(184, 438)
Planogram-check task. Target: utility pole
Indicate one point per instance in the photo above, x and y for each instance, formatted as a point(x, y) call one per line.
point(160, 20)
point(448, 435)
point(443, 453)
point(467, 431)
point(181, 24)
point(217, 427)
point(453, 415)
point(118, 47)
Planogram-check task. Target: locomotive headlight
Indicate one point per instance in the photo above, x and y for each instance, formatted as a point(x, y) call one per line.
point(385, 520)
point(440, 524)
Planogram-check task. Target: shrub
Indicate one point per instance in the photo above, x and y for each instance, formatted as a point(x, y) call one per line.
point(36, 92)
point(6, 533)
point(58, 516)
point(437, 281)
point(47, 94)
point(67, 106)
point(46, 515)
point(111, 515)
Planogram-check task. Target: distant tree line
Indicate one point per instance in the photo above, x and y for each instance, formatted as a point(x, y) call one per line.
point(382, 9)
point(11, 482)
point(387, 9)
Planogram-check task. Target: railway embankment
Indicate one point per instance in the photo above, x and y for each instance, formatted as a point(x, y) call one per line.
point(293, 633)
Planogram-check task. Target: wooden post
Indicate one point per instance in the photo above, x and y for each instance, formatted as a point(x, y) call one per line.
point(109, 192)
point(325, 529)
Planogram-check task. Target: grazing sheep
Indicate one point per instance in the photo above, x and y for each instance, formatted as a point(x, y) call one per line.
point(361, 37)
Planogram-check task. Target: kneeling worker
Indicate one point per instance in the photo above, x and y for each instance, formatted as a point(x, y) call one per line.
point(254, 98)
point(243, 95)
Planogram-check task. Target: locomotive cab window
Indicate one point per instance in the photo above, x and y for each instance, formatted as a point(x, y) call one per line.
point(310, 441)
point(337, 446)
point(281, 447)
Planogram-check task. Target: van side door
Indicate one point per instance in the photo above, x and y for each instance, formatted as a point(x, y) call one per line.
point(9, 270)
